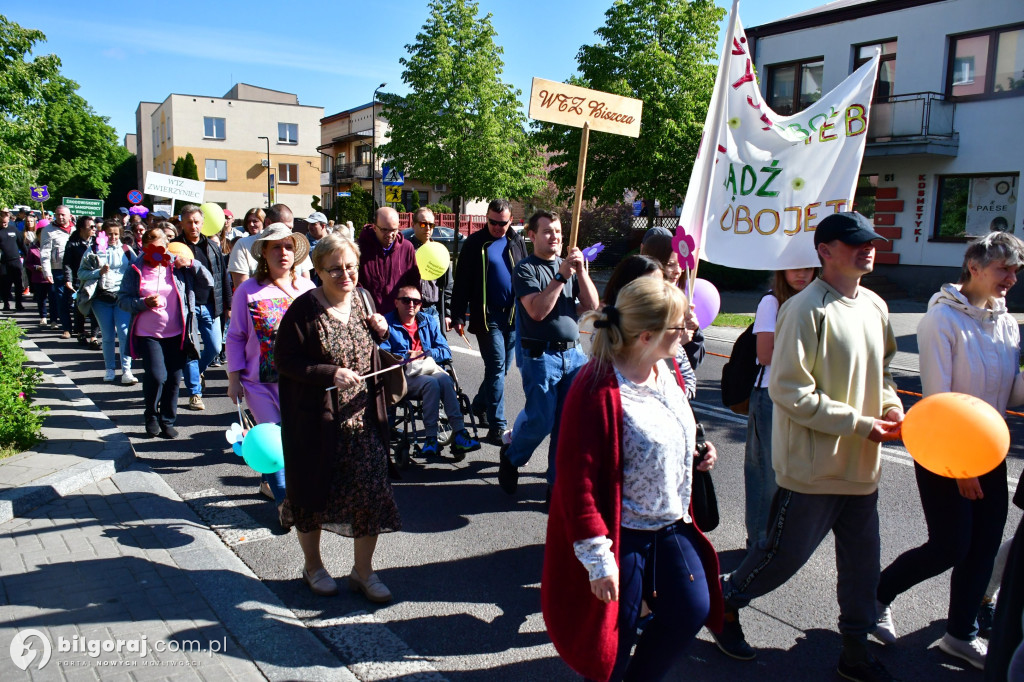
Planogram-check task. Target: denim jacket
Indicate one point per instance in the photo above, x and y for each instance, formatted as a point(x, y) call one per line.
point(431, 339)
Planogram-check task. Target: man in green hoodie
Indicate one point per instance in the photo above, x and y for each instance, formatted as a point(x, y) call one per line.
point(835, 403)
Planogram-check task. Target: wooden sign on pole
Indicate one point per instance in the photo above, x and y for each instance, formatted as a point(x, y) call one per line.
point(572, 105)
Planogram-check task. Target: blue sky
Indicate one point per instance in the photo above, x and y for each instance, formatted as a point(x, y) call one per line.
point(332, 54)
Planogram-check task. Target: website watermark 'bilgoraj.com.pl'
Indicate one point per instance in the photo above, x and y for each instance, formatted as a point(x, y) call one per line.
point(34, 647)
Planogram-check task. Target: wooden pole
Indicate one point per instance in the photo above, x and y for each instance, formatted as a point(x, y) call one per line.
point(577, 203)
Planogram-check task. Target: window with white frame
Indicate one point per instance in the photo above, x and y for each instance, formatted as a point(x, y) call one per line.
point(287, 133)
point(288, 174)
point(213, 128)
point(216, 169)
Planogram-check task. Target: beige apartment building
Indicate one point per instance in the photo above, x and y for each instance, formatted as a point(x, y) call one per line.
point(236, 140)
point(348, 142)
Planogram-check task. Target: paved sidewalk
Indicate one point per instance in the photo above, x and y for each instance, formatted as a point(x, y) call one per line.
point(93, 553)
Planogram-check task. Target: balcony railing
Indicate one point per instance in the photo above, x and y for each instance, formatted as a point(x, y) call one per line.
point(347, 172)
point(920, 122)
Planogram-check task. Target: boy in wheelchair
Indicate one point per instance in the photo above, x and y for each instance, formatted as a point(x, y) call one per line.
point(412, 332)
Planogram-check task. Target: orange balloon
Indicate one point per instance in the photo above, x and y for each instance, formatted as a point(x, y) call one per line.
point(956, 435)
point(179, 250)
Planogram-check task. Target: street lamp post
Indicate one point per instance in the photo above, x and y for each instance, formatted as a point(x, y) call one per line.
point(262, 137)
point(373, 149)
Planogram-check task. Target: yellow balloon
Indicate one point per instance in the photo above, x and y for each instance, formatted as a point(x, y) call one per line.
point(433, 260)
point(213, 219)
point(956, 435)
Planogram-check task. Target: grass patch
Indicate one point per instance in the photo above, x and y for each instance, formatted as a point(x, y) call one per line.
point(733, 320)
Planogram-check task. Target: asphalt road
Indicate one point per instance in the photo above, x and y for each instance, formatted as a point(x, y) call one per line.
point(466, 567)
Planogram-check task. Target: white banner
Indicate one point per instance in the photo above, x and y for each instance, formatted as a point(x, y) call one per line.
point(773, 177)
point(161, 185)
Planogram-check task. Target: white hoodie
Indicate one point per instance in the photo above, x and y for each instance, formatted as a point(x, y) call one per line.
point(966, 349)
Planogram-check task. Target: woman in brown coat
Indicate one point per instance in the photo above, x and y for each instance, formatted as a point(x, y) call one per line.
point(333, 423)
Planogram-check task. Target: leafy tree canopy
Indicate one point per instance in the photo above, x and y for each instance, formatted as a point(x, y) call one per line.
point(659, 51)
point(460, 125)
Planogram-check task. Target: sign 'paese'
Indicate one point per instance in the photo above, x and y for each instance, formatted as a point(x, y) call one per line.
point(572, 105)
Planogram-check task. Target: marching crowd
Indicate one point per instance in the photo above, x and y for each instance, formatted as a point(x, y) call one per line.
point(325, 332)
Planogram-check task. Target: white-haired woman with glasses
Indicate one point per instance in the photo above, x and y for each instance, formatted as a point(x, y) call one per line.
point(334, 424)
point(969, 343)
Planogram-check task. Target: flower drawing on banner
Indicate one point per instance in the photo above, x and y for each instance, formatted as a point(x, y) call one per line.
point(590, 253)
point(155, 255)
point(684, 245)
point(798, 184)
point(734, 122)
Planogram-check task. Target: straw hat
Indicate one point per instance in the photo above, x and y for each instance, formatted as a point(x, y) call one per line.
point(276, 231)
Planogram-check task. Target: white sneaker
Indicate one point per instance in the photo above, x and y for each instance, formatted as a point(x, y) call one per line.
point(110, 375)
point(885, 631)
point(128, 379)
point(506, 437)
point(973, 651)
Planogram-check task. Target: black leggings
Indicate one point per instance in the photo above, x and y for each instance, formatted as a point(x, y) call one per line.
point(164, 361)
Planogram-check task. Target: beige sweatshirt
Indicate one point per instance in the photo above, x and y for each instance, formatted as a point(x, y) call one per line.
point(830, 380)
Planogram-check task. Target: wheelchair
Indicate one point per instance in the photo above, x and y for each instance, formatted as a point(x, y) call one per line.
point(407, 440)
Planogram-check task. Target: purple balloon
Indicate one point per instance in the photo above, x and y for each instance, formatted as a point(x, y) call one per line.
point(706, 301)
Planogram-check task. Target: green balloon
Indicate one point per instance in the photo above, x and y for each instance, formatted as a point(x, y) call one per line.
point(262, 449)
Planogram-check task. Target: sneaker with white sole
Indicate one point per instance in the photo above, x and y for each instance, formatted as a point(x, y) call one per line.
point(128, 379)
point(196, 403)
point(110, 375)
point(973, 651)
point(885, 631)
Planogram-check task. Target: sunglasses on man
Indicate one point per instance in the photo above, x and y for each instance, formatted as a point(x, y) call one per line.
point(498, 223)
point(409, 300)
point(427, 225)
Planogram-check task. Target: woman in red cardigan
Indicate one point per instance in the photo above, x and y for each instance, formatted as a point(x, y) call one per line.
point(619, 529)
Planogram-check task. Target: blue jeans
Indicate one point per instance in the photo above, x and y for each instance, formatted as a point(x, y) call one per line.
point(114, 327)
point(60, 298)
point(963, 535)
point(758, 474)
point(432, 390)
point(663, 563)
point(209, 331)
point(546, 382)
point(496, 347)
point(277, 485)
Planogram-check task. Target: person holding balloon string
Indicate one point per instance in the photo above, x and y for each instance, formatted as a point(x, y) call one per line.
point(437, 291)
point(969, 344)
point(260, 302)
point(758, 475)
point(334, 424)
point(158, 289)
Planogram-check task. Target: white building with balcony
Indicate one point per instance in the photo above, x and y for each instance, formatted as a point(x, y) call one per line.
point(944, 153)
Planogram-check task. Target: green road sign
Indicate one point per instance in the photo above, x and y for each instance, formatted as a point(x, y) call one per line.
point(93, 207)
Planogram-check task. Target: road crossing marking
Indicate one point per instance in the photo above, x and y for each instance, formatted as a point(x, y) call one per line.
point(226, 517)
point(372, 651)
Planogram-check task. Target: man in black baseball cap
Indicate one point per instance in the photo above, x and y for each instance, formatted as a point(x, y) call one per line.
point(850, 228)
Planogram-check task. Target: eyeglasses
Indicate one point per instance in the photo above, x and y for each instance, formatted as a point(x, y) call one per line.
point(409, 300)
point(675, 329)
point(431, 225)
point(498, 223)
point(335, 273)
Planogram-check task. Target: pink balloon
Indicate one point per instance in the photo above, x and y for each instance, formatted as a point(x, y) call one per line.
point(706, 302)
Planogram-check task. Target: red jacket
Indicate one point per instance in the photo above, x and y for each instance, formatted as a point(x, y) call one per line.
point(586, 502)
point(382, 273)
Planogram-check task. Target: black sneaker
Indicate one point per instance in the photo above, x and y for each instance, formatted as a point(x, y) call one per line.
point(493, 437)
point(986, 616)
point(730, 640)
point(152, 428)
point(481, 418)
point(169, 432)
point(508, 473)
point(862, 667)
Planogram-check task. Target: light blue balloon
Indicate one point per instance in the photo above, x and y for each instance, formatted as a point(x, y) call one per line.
point(262, 449)
point(237, 447)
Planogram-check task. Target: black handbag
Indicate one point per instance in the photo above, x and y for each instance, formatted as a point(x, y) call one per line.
point(703, 501)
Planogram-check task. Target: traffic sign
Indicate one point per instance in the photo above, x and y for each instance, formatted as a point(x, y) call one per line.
point(40, 193)
point(393, 176)
point(393, 195)
point(135, 196)
point(93, 207)
point(344, 194)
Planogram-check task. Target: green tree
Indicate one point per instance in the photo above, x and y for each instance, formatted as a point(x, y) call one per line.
point(122, 179)
point(659, 51)
point(315, 203)
point(188, 167)
point(176, 169)
point(354, 208)
point(460, 125)
point(22, 110)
